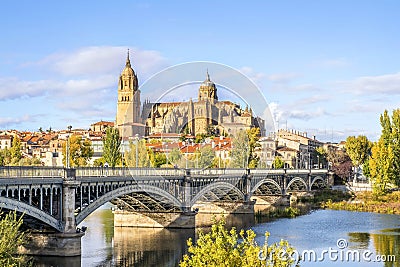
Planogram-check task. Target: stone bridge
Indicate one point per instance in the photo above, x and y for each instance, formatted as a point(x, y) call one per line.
point(60, 199)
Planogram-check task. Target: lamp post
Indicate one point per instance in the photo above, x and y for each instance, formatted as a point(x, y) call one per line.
point(137, 149)
point(67, 152)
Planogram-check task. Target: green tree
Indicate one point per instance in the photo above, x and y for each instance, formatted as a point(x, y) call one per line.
point(243, 146)
point(5, 156)
point(322, 155)
point(385, 160)
point(159, 160)
point(358, 148)
point(386, 125)
point(142, 154)
point(381, 166)
point(174, 156)
point(80, 151)
point(278, 163)
point(111, 147)
point(253, 135)
point(206, 157)
point(240, 150)
point(223, 248)
point(10, 239)
point(15, 151)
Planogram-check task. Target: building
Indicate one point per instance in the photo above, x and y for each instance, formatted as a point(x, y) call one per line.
point(207, 114)
point(266, 152)
point(303, 145)
point(204, 115)
point(6, 141)
point(128, 119)
point(101, 126)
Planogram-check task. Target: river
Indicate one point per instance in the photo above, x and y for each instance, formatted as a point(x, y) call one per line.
point(344, 235)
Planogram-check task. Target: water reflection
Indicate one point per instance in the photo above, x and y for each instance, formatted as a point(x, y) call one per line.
point(104, 245)
point(388, 243)
point(361, 240)
point(149, 246)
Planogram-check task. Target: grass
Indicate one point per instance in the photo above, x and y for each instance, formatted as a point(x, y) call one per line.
point(287, 212)
point(367, 201)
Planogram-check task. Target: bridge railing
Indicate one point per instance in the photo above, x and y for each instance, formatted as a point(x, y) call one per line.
point(126, 172)
point(221, 171)
point(31, 172)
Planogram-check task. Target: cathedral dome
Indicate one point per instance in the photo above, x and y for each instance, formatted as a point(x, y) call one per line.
point(207, 82)
point(128, 71)
point(208, 90)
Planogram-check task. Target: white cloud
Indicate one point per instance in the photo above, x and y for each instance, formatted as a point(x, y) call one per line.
point(388, 84)
point(6, 122)
point(101, 60)
point(82, 81)
point(254, 76)
point(284, 113)
point(12, 88)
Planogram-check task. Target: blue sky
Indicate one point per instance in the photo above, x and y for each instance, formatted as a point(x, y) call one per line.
point(329, 68)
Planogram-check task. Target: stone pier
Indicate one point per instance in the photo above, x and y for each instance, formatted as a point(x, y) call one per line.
point(154, 219)
point(53, 244)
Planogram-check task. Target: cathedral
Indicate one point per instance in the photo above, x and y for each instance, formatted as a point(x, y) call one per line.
point(204, 115)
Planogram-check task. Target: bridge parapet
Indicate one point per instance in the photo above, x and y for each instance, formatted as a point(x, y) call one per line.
point(31, 172)
point(127, 172)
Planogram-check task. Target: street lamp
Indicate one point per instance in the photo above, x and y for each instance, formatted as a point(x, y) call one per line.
point(67, 152)
point(137, 149)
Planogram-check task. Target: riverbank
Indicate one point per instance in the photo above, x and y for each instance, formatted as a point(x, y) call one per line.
point(366, 201)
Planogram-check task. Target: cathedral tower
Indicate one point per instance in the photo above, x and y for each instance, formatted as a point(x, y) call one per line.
point(128, 106)
point(208, 90)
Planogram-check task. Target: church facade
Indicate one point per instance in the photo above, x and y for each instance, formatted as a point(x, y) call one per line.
point(204, 115)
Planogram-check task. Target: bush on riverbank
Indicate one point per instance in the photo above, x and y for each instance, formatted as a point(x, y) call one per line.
point(223, 248)
point(287, 212)
point(10, 239)
point(369, 202)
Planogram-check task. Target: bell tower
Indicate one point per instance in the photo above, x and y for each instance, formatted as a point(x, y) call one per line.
point(128, 105)
point(208, 90)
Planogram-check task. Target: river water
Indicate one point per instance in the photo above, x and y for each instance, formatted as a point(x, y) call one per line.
point(344, 235)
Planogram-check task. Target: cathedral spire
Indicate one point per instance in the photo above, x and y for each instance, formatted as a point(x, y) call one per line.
point(128, 61)
point(208, 76)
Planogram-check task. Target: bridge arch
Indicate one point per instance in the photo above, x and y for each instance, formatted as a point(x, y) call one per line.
point(318, 180)
point(298, 181)
point(266, 181)
point(120, 191)
point(217, 186)
point(14, 204)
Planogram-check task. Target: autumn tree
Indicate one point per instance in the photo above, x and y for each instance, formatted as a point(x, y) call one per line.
point(15, 151)
point(384, 164)
point(206, 156)
point(278, 163)
point(10, 239)
point(359, 150)
point(322, 155)
point(111, 147)
point(381, 170)
point(80, 151)
point(157, 159)
point(223, 248)
point(137, 150)
point(174, 156)
point(243, 147)
point(240, 150)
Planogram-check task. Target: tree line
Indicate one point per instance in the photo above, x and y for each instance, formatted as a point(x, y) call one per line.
point(379, 161)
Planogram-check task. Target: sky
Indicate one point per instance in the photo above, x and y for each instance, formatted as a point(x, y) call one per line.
point(328, 68)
